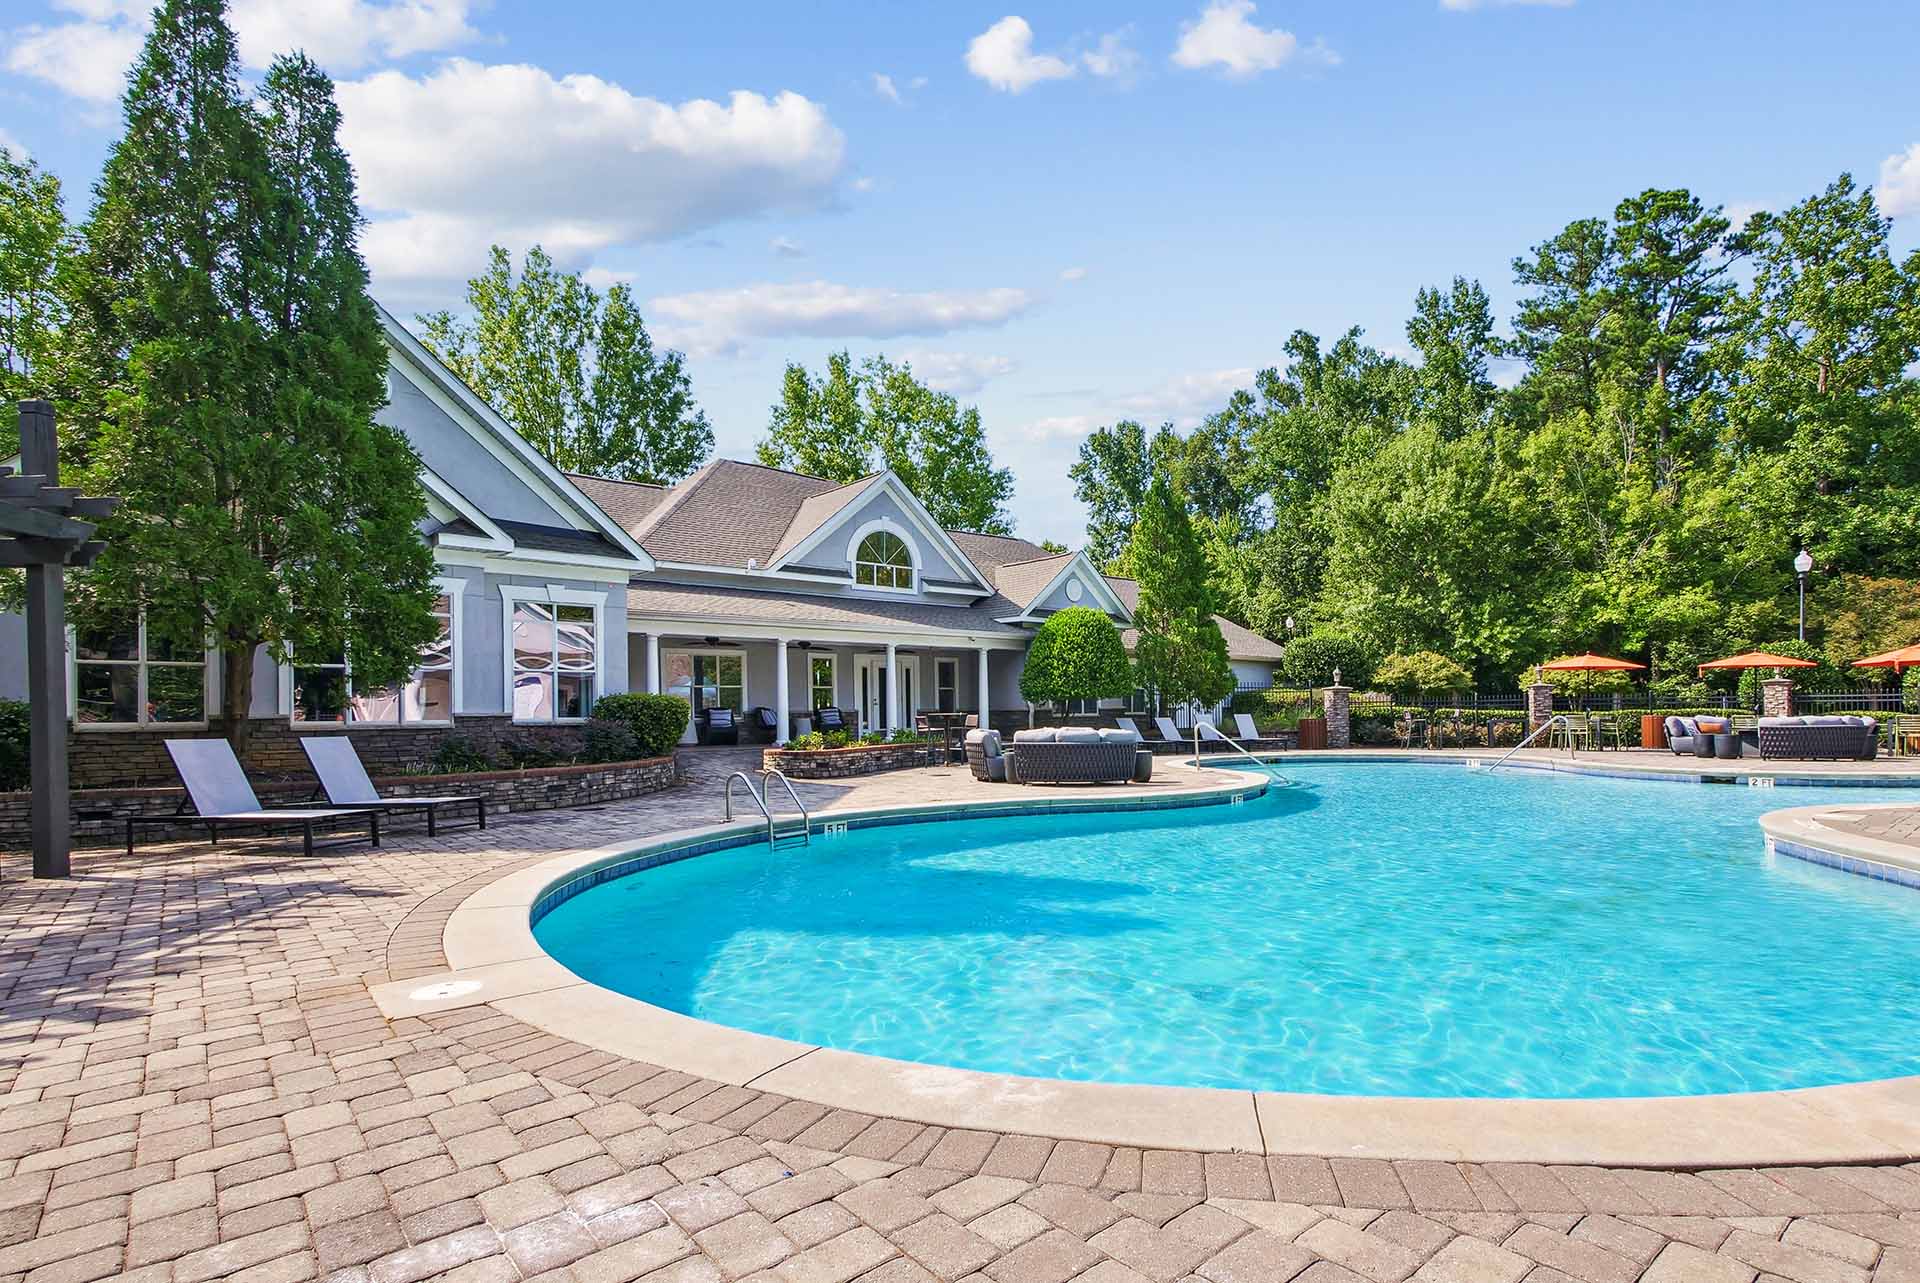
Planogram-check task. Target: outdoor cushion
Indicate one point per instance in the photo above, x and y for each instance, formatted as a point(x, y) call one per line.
point(989, 742)
point(1077, 735)
point(1035, 735)
point(1714, 725)
point(1120, 735)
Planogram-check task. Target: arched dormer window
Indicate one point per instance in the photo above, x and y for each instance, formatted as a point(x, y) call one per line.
point(882, 559)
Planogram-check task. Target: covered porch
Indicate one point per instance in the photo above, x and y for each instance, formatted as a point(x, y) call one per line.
point(880, 681)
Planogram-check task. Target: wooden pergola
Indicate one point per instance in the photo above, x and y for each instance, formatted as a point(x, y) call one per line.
point(44, 528)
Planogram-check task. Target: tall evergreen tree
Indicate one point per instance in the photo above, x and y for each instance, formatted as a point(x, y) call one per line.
point(37, 248)
point(1180, 654)
point(574, 371)
point(264, 506)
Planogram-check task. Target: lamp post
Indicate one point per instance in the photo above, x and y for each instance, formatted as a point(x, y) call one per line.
point(1801, 565)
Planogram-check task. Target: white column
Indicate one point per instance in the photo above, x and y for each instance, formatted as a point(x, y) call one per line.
point(653, 663)
point(780, 691)
point(983, 652)
point(893, 691)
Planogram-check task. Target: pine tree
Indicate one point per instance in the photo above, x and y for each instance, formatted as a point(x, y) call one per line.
point(263, 506)
point(1180, 655)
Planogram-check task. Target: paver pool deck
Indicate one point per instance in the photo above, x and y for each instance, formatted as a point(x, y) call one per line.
point(197, 1083)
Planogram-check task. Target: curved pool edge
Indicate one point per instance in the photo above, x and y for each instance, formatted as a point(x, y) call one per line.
point(1805, 833)
point(494, 960)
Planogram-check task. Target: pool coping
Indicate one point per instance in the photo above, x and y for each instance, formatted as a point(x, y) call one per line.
point(494, 960)
point(1802, 833)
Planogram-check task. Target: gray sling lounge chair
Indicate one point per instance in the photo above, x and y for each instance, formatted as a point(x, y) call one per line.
point(344, 780)
point(221, 797)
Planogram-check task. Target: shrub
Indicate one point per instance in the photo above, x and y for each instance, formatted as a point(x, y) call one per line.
point(611, 740)
point(657, 721)
point(811, 740)
point(457, 756)
point(905, 735)
point(1311, 661)
point(835, 739)
point(1420, 673)
point(525, 755)
point(1076, 654)
point(15, 771)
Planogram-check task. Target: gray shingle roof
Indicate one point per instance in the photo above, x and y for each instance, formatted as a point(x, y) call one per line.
point(560, 539)
point(1242, 643)
point(816, 510)
point(628, 502)
point(1022, 581)
point(803, 608)
point(988, 551)
point(727, 514)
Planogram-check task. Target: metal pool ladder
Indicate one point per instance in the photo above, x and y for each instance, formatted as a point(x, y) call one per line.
point(759, 796)
point(1266, 768)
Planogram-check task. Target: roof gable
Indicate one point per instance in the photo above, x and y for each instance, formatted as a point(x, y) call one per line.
point(571, 510)
point(830, 517)
point(1030, 584)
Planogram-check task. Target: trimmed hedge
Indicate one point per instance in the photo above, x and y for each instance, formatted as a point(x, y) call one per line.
point(656, 721)
point(1311, 661)
point(15, 722)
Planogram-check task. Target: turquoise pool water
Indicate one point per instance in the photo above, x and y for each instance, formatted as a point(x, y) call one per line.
point(1398, 929)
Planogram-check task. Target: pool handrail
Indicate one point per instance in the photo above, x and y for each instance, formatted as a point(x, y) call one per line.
point(1265, 767)
point(1531, 736)
point(767, 777)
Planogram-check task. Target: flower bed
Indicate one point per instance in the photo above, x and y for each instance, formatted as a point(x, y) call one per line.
point(838, 763)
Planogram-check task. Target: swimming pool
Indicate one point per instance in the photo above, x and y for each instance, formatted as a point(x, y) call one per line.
point(1377, 928)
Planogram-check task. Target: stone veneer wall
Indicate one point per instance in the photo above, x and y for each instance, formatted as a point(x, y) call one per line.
point(134, 759)
point(99, 814)
point(838, 763)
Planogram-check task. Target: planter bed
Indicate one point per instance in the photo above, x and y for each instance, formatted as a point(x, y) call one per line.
point(99, 814)
point(838, 763)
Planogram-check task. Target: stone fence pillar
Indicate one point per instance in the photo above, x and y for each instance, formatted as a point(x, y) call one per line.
point(1776, 697)
point(1339, 715)
point(1539, 706)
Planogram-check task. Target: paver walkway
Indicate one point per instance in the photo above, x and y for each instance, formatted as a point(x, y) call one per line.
point(195, 1085)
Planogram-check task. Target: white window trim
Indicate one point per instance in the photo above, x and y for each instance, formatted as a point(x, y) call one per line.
point(453, 588)
point(552, 595)
point(209, 690)
point(746, 689)
point(894, 528)
point(938, 662)
point(833, 663)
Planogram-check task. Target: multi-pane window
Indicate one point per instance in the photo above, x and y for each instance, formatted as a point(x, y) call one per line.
point(554, 661)
point(124, 676)
point(882, 561)
point(946, 684)
point(323, 689)
point(822, 691)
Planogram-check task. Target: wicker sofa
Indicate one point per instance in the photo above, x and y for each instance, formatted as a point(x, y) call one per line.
point(1076, 755)
point(1840, 738)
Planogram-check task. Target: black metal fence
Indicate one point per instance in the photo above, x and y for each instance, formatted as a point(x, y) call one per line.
point(1883, 699)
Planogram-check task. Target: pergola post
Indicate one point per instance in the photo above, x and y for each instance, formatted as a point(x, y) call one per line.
point(47, 666)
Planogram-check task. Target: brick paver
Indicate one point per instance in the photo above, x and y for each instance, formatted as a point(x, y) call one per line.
point(195, 1085)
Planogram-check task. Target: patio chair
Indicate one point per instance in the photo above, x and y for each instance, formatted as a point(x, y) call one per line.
point(1574, 731)
point(218, 791)
point(828, 719)
point(343, 778)
point(1410, 728)
point(1607, 731)
point(1903, 734)
point(765, 725)
point(719, 726)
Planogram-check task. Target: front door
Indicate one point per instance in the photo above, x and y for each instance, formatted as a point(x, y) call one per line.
point(870, 690)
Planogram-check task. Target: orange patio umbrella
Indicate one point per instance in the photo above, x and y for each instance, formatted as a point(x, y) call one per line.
point(1759, 659)
point(1905, 657)
point(1590, 663)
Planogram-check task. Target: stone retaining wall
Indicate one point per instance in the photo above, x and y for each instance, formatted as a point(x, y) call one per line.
point(838, 763)
point(136, 759)
point(99, 814)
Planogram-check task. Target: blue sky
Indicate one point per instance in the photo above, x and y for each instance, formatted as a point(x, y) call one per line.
point(1065, 214)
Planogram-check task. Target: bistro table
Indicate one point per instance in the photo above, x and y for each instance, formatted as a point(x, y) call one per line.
point(946, 724)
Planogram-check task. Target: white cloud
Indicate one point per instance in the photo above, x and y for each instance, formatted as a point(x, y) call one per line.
point(865, 184)
point(1073, 273)
point(1113, 58)
point(1225, 36)
point(1467, 6)
point(89, 58)
point(961, 373)
point(884, 86)
point(1899, 191)
point(605, 278)
point(82, 59)
point(1182, 401)
point(1739, 211)
point(787, 247)
point(1003, 56)
point(471, 155)
point(715, 321)
point(12, 146)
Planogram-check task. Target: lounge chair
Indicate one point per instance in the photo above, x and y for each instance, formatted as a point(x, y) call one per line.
point(1168, 731)
point(1249, 735)
point(343, 778)
point(765, 725)
point(828, 719)
point(220, 796)
point(1127, 724)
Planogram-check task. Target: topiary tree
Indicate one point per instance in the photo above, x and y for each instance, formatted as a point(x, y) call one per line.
point(1422, 672)
point(1076, 654)
point(1311, 661)
point(657, 721)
